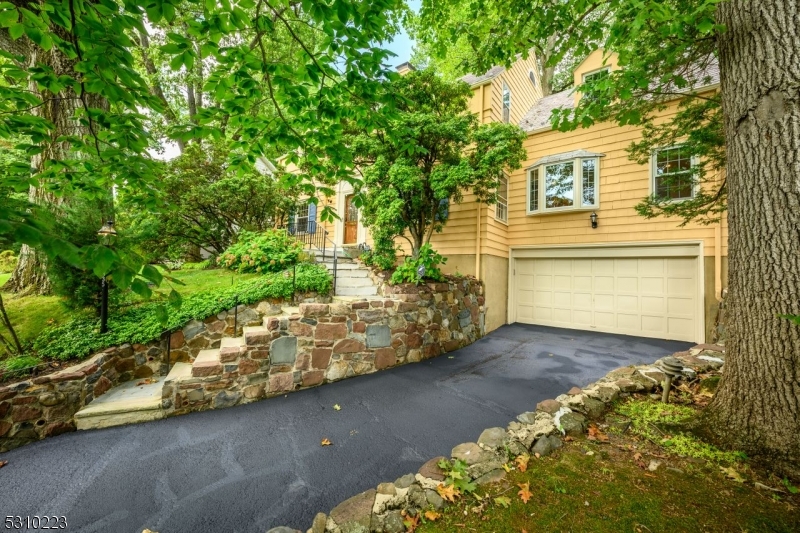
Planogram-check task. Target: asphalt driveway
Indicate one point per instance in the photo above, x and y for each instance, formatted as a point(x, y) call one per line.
point(250, 468)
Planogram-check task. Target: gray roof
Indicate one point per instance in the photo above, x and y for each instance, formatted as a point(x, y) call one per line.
point(492, 73)
point(565, 156)
point(538, 116)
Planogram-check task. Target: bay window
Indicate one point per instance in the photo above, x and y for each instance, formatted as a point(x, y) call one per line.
point(564, 182)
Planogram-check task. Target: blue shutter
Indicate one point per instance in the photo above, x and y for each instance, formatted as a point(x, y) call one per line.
point(312, 218)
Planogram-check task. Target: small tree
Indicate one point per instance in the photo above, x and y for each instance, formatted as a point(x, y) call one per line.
point(428, 155)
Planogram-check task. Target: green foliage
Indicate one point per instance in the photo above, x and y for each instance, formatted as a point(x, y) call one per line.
point(668, 425)
point(457, 476)
point(82, 89)
point(81, 337)
point(207, 203)
point(270, 251)
point(431, 153)
point(8, 261)
point(202, 265)
point(17, 365)
point(665, 48)
point(428, 258)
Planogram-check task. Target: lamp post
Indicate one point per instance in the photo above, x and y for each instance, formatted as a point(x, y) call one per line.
point(106, 234)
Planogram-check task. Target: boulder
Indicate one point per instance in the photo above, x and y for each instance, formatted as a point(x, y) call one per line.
point(318, 525)
point(573, 424)
point(469, 452)
point(543, 447)
point(393, 523)
point(548, 406)
point(492, 438)
point(431, 469)
point(404, 482)
point(355, 511)
point(495, 476)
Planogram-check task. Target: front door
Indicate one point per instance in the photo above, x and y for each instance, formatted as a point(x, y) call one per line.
point(350, 221)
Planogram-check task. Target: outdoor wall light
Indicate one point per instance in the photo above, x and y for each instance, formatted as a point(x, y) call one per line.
point(593, 219)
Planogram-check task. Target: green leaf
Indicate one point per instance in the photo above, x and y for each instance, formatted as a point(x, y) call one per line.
point(151, 273)
point(122, 276)
point(7, 18)
point(101, 259)
point(174, 298)
point(503, 501)
point(16, 31)
point(140, 287)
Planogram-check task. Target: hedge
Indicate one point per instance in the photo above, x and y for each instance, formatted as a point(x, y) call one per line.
point(81, 337)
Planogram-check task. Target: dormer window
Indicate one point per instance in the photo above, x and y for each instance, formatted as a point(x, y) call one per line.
point(596, 75)
point(506, 103)
point(564, 182)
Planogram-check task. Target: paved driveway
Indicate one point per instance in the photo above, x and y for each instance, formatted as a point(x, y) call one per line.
point(254, 467)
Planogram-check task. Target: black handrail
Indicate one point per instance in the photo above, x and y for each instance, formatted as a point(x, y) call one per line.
point(312, 235)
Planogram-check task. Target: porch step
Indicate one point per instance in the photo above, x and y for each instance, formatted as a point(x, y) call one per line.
point(178, 372)
point(351, 273)
point(230, 348)
point(132, 402)
point(207, 363)
point(344, 282)
point(372, 290)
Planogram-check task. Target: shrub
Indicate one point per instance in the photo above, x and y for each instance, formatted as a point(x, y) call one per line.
point(202, 265)
point(270, 251)
point(81, 337)
point(7, 261)
point(428, 258)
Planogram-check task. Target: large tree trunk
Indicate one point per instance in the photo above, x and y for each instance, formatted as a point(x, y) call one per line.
point(757, 407)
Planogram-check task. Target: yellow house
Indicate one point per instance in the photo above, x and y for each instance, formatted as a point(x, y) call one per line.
point(564, 246)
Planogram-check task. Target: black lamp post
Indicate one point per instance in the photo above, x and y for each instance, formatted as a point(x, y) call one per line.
point(107, 235)
point(593, 219)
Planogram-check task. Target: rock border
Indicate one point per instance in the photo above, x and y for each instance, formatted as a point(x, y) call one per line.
point(381, 510)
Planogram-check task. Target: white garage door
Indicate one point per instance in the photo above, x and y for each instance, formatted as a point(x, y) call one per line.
point(644, 296)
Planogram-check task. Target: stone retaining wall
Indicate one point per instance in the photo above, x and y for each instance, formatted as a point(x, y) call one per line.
point(536, 433)
point(45, 406)
point(324, 343)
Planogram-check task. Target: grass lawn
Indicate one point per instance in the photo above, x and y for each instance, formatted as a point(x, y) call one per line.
point(606, 485)
point(31, 314)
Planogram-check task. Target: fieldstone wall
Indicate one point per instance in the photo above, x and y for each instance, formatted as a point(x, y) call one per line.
point(536, 433)
point(45, 406)
point(324, 343)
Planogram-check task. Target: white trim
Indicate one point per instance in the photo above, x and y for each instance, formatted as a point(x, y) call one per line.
point(505, 89)
point(345, 189)
point(508, 191)
point(577, 187)
point(694, 161)
point(688, 248)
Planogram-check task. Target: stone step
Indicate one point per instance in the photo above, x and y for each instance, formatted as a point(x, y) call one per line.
point(132, 402)
point(342, 282)
point(372, 290)
point(179, 372)
point(230, 348)
point(340, 265)
point(256, 335)
point(352, 273)
point(207, 363)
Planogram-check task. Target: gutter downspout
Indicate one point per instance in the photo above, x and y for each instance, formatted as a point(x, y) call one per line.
point(478, 217)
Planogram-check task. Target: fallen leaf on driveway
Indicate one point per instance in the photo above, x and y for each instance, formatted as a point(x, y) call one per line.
point(3, 463)
point(325, 442)
point(337, 407)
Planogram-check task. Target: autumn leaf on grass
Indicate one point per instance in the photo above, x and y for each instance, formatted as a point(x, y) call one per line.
point(596, 434)
point(731, 473)
point(433, 516)
point(448, 492)
point(522, 462)
point(506, 467)
point(503, 501)
point(325, 442)
point(411, 522)
point(525, 492)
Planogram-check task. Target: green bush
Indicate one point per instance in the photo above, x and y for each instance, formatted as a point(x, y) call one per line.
point(429, 258)
point(81, 337)
point(202, 265)
point(8, 260)
point(269, 251)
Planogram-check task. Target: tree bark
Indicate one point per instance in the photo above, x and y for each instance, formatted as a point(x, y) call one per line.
point(757, 406)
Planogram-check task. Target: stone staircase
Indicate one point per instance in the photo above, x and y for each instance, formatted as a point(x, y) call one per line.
point(352, 279)
point(144, 400)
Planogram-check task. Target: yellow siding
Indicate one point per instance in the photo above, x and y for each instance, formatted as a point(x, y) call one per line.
point(523, 92)
point(623, 184)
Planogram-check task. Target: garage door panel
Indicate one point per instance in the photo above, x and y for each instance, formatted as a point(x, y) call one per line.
point(650, 296)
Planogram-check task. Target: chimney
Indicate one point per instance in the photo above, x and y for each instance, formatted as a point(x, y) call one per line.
point(405, 68)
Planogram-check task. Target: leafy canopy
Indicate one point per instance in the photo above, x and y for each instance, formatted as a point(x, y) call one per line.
point(664, 49)
point(430, 154)
point(78, 57)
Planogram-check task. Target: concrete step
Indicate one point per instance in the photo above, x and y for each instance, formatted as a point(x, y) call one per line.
point(342, 282)
point(132, 402)
point(352, 273)
point(178, 372)
point(372, 290)
point(207, 363)
point(341, 266)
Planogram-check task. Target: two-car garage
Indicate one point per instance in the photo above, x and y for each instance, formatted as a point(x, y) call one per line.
point(643, 290)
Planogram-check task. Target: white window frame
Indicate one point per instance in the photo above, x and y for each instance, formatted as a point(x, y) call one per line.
point(694, 161)
point(577, 187)
point(504, 203)
point(593, 72)
point(506, 91)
